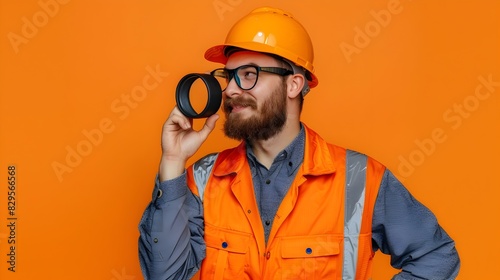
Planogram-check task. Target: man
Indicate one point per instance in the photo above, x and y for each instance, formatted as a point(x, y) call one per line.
point(284, 204)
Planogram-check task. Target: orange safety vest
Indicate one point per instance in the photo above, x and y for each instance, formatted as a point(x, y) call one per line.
point(322, 229)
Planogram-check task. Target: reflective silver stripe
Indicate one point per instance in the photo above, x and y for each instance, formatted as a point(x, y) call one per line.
point(201, 172)
point(355, 182)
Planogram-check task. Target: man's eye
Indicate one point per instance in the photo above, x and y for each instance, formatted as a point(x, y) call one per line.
point(249, 74)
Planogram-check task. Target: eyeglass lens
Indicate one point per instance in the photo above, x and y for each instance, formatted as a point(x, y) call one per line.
point(245, 76)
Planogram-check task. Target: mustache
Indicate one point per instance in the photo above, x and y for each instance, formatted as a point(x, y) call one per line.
point(230, 103)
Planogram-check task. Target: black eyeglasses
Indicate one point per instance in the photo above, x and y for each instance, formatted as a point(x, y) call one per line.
point(246, 75)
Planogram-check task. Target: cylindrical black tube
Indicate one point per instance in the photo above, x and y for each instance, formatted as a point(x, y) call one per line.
point(214, 92)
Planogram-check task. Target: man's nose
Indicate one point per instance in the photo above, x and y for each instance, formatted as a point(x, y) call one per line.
point(232, 88)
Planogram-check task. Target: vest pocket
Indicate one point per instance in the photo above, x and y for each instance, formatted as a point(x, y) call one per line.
point(310, 257)
point(226, 253)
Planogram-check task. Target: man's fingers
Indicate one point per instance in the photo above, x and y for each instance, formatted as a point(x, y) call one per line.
point(176, 117)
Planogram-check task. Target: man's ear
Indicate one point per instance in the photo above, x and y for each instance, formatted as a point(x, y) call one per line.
point(295, 84)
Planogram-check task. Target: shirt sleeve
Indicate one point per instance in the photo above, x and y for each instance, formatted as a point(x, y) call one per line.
point(171, 244)
point(408, 231)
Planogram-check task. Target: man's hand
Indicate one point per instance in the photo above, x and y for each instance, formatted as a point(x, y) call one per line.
point(180, 141)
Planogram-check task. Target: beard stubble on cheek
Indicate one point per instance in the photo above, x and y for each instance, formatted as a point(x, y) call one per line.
point(266, 121)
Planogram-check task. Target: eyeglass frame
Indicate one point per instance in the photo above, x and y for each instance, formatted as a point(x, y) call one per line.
point(231, 73)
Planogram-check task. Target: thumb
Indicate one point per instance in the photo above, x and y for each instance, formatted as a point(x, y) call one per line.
point(209, 125)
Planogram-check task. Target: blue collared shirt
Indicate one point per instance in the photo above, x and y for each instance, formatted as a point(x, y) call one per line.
point(401, 226)
point(271, 185)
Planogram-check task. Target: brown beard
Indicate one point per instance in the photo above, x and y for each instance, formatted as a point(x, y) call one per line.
point(268, 121)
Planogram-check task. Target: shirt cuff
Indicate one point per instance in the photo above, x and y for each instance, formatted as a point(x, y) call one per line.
point(169, 190)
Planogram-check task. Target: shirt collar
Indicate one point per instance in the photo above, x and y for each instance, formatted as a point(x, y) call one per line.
point(292, 156)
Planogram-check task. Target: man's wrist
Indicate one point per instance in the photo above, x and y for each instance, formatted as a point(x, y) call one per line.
point(170, 169)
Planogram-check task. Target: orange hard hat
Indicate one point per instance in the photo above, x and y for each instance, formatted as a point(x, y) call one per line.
point(272, 31)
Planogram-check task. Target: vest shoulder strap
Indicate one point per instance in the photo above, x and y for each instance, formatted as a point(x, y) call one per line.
point(201, 172)
point(355, 186)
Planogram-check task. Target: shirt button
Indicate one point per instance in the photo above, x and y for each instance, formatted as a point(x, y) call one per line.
point(268, 255)
point(155, 240)
point(268, 181)
point(309, 251)
point(160, 193)
point(290, 163)
point(268, 222)
point(224, 244)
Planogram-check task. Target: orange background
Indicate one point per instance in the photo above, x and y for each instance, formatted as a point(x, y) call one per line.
point(75, 76)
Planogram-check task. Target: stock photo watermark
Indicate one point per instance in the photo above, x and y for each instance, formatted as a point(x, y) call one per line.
point(454, 117)
point(11, 221)
point(32, 25)
point(364, 35)
point(121, 107)
point(121, 275)
point(223, 6)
